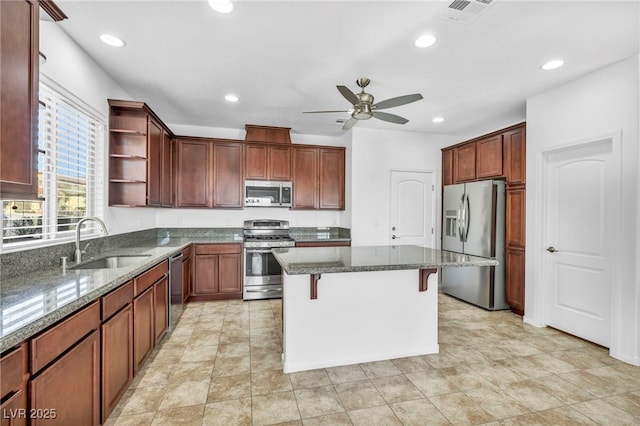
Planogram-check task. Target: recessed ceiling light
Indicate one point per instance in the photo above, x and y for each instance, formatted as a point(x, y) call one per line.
point(438, 119)
point(221, 6)
point(231, 98)
point(112, 40)
point(425, 40)
point(552, 65)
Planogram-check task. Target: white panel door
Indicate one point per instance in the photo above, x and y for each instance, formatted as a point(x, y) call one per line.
point(412, 205)
point(580, 204)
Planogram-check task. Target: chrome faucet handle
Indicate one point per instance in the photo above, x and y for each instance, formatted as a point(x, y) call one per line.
point(84, 251)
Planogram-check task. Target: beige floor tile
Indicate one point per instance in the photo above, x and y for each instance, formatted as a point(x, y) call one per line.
point(310, 379)
point(192, 371)
point(232, 366)
point(498, 403)
point(143, 419)
point(188, 416)
point(229, 387)
point(464, 377)
point(497, 374)
point(263, 382)
point(360, 394)
point(531, 396)
point(379, 369)
point(561, 389)
point(156, 375)
point(600, 411)
point(411, 364)
point(142, 400)
point(318, 401)
point(232, 350)
point(418, 413)
point(264, 361)
point(184, 394)
point(460, 408)
point(274, 408)
point(199, 354)
point(443, 360)
point(565, 416)
point(346, 373)
point(628, 402)
point(396, 389)
point(225, 413)
point(431, 382)
point(601, 382)
point(341, 419)
point(382, 415)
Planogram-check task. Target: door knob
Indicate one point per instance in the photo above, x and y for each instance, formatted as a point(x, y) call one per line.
point(551, 249)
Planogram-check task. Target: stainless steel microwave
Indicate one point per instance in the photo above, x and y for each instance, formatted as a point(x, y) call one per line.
point(265, 193)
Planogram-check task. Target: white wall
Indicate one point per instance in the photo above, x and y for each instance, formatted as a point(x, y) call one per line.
point(375, 154)
point(70, 68)
point(602, 103)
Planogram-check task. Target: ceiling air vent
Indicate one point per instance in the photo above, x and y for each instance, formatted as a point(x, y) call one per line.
point(464, 11)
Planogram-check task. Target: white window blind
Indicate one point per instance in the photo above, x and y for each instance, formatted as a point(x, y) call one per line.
point(70, 141)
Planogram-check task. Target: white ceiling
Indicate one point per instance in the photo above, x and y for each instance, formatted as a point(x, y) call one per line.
point(284, 57)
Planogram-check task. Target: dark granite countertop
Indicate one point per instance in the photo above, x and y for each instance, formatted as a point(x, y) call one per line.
point(31, 302)
point(317, 260)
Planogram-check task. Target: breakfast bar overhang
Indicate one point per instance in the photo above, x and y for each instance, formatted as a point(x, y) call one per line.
point(348, 305)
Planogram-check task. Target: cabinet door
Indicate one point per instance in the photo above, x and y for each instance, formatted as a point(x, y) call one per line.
point(514, 267)
point(227, 175)
point(206, 274)
point(117, 358)
point(515, 223)
point(229, 273)
point(160, 308)
point(279, 163)
point(305, 178)
point(186, 279)
point(515, 156)
point(166, 185)
point(489, 157)
point(331, 188)
point(19, 100)
point(192, 174)
point(17, 403)
point(154, 163)
point(464, 163)
point(71, 386)
point(447, 167)
point(255, 162)
point(143, 330)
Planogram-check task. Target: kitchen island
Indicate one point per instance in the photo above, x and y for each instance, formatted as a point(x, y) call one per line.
point(347, 305)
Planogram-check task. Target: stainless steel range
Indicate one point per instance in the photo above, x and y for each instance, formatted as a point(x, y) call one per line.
point(262, 273)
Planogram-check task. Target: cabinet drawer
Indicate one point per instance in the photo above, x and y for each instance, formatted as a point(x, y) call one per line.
point(186, 252)
point(218, 248)
point(13, 368)
point(52, 343)
point(114, 301)
point(146, 279)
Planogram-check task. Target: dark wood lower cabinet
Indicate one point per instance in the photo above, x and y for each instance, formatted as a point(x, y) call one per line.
point(143, 329)
point(68, 391)
point(160, 308)
point(12, 408)
point(514, 267)
point(217, 272)
point(117, 358)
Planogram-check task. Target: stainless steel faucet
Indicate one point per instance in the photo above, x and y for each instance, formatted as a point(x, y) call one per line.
point(78, 255)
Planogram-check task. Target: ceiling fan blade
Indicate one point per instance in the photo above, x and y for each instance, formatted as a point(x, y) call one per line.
point(320, 112)
point(349, 124)
point(392, 118)
point(400, 100)
point(348, 94)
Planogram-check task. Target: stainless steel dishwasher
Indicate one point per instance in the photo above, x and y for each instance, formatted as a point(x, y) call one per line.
point(175, 289)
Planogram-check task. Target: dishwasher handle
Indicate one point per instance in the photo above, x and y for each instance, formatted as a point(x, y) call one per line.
point(176, 257)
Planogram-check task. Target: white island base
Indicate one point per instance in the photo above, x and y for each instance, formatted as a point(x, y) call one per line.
point(357, 317)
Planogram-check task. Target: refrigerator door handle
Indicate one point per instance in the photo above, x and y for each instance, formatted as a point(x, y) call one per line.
point(459, 220)
point(466, 217)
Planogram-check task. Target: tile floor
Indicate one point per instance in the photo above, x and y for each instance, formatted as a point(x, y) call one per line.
point(221, 366)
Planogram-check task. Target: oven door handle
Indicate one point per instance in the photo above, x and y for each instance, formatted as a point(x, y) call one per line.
point(263, 290)
point(250, 250)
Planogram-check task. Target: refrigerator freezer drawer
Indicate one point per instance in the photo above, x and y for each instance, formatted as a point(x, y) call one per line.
point(475, 285)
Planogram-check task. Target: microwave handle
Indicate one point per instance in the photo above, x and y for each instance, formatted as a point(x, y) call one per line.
point(280, 199)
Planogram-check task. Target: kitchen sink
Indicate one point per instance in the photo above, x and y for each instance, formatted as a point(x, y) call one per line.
point(113, 262)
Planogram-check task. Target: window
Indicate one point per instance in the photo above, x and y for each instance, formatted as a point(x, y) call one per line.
point(70, 141)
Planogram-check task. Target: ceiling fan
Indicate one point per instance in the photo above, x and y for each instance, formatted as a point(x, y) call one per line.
point(364, 108)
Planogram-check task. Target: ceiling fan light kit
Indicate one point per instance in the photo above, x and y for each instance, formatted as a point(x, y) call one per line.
point(364, 108)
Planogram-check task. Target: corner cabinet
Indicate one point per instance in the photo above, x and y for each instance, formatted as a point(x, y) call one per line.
point(501, 154)
point(138, 151)
point(318, 175)
point(19, 24)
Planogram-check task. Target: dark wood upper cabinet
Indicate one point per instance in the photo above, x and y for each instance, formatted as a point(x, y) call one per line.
point(166, 186)
point(279, 163)
point(447, 166)
point(255, 162)
point(464, 163)
point(331, 186)
point(267, 162)
point(515, 156)
point(489, 157)
point(515, 223)
point(136, 156)
point(227, 175)
point(19, 77)
point(193, 185)
point(305, 177)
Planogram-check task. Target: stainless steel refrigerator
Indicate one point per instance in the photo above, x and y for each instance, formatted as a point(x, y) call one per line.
point(474, 224)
